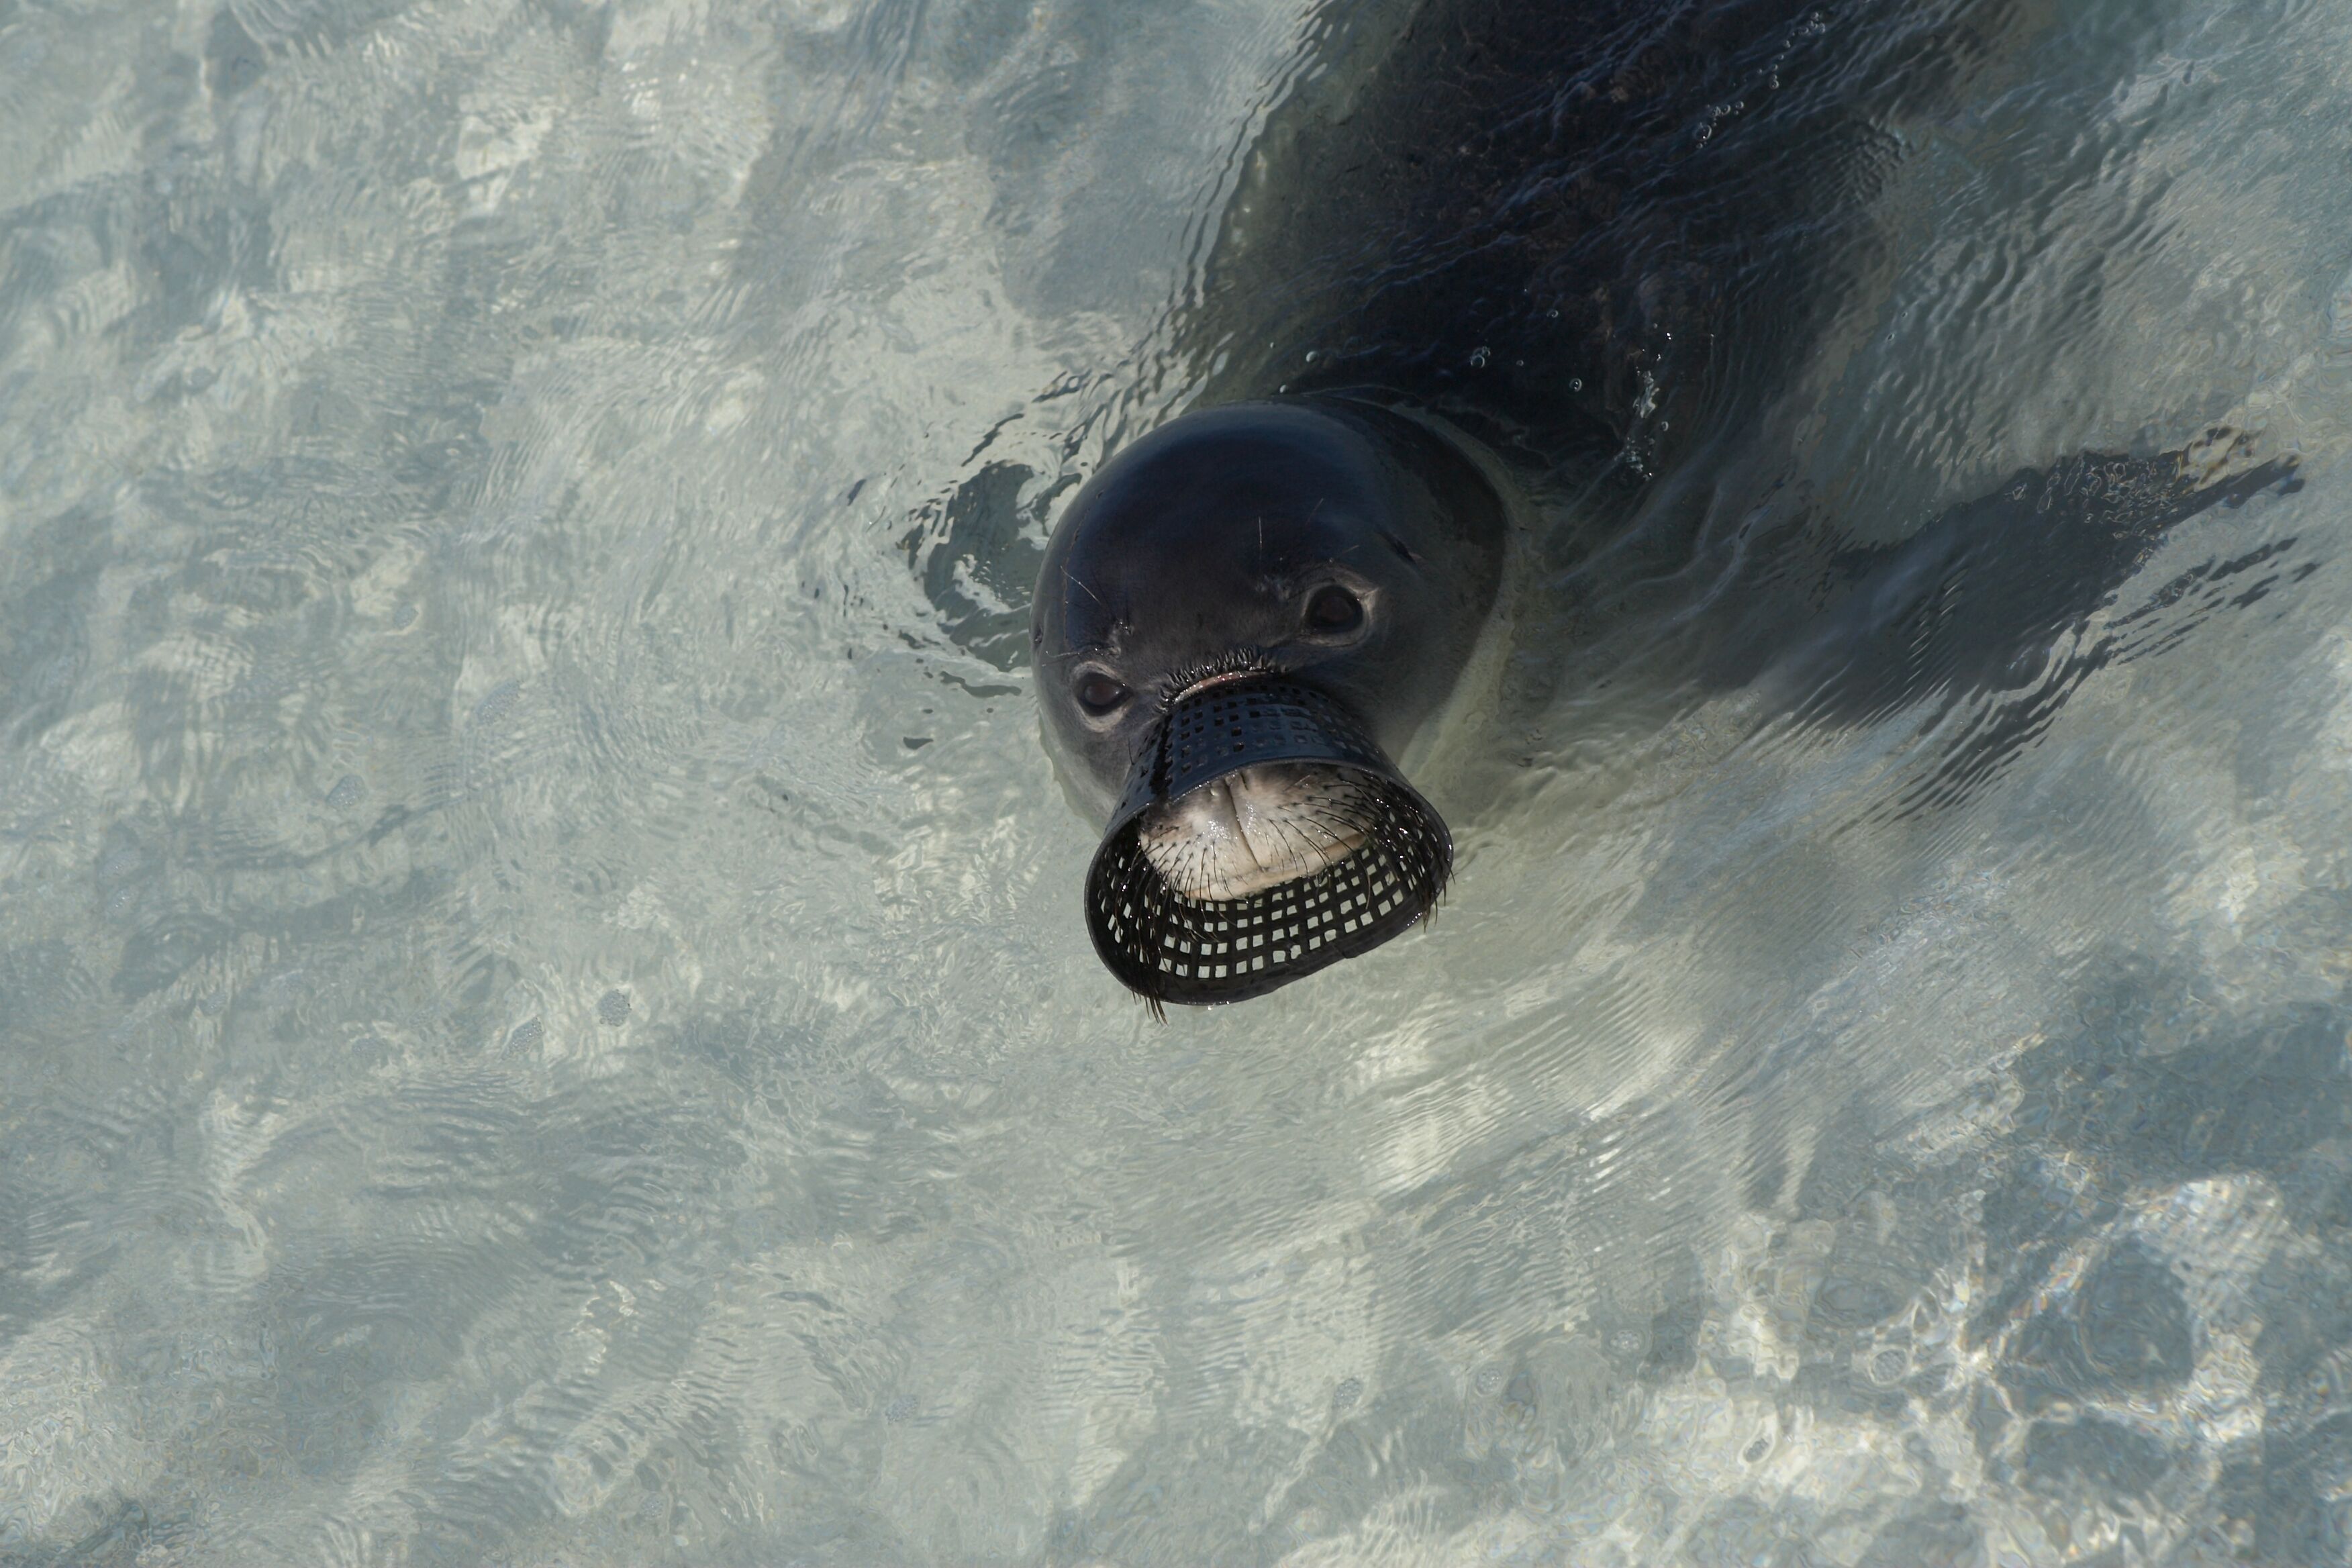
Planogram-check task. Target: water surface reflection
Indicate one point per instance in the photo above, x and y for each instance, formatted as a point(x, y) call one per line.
point(545, 1012)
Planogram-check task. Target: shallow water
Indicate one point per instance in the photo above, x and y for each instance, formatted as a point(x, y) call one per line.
point(544, 1010)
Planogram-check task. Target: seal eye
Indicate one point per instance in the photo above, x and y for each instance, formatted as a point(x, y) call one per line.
point(1332, 609)
point(1099, 693)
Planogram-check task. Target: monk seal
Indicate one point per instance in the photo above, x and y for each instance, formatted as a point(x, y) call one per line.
point(1475, 289)
point(1505, 261)
point(1240, 620)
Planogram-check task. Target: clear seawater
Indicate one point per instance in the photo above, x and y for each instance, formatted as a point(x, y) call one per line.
point(543, 1016)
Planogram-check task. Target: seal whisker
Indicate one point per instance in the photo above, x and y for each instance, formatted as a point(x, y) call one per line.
point(1301, 824)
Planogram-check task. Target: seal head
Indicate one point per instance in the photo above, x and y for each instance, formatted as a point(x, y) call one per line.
point(1239, 621)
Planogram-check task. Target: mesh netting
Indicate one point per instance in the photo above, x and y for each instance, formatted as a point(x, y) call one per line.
point(1171, 948)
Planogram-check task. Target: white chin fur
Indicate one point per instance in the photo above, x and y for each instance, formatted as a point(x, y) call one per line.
point(1256, 829)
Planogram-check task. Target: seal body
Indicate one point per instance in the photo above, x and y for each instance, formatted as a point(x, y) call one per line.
point(1490, 256)
point(1495, 262)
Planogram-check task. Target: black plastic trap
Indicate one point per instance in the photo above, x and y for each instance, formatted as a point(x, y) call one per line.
point(1169, 947)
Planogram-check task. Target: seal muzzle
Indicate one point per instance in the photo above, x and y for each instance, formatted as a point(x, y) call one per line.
point(1168, 946)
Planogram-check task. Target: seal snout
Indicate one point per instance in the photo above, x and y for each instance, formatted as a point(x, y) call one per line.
point(1263, 836)
point(1230, 668)
point(1256, 829)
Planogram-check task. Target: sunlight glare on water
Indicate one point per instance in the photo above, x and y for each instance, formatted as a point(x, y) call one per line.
point(543, 1011)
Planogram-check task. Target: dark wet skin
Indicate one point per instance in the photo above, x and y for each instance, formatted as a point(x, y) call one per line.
point(1597, 237)
point(1342, 544)
point(1578, 230)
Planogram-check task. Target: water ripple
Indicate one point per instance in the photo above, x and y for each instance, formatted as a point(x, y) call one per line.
point(539, 979)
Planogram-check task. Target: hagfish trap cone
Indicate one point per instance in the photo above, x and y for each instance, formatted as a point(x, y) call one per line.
point(1168, 945)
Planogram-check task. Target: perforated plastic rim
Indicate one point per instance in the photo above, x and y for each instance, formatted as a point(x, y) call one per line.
point(1168, 947)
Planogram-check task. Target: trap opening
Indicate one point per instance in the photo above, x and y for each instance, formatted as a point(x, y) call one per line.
point(1169, 947)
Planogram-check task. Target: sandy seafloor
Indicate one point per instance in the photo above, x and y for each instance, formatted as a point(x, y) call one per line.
point(543, 1017)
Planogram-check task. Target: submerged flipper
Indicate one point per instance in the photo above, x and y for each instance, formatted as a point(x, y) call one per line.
point(1994, 605)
